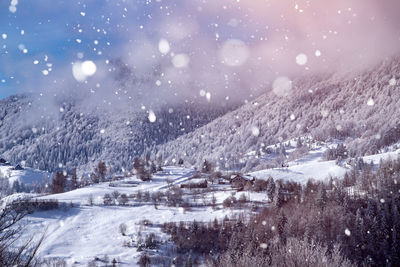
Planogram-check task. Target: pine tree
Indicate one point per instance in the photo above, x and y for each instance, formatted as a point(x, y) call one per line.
point(322, 198)
point(278, 199)
point(282, 221)
point(359, 235)
point(384, 235)
point(207, 166)
point(189, 261)
point(271, 188)
point(299, 144)
point(159, 163)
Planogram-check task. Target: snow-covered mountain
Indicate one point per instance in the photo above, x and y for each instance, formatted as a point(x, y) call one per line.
point(73, 137)
point(360, 109)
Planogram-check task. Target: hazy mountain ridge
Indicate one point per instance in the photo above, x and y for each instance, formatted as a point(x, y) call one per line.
point(360, 108)
point(70, 138)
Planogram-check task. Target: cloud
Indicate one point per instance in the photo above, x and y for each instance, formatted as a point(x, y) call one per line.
point(231, 48)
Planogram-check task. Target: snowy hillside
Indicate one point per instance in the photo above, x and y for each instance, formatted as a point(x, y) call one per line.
point(347, 107)
point(85, 232)
point(69, 135)
point(86, 229)
point(27, 176)
point(212, 133)
point(313, 166)
point(360, 109)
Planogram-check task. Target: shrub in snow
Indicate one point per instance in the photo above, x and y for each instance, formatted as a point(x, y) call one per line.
point(115, 194)
point(146, 196)
point(123, 199)
point(151, 241)
point(174, 196)
point(207, 166)
point(53, 262)
point(123, 228)
point(242, 199)
point(90, 200)
point(229, 202)
point(144, 260)
point(107, 199)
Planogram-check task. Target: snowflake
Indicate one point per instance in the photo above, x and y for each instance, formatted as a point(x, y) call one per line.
point(152, 116)
point(301, 59)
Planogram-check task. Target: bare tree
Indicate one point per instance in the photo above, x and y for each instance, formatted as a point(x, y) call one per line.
point(214, 202)
point(140, 167)
point(170, 182)
point(90, 200)
point(100, 171)
point(58, 183)
point(74, 180)
point(10, 234)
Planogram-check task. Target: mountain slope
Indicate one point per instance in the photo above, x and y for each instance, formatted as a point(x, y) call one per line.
point(70, 136)
point(360, 108)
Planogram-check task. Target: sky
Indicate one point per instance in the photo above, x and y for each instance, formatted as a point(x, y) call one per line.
point(176, 49)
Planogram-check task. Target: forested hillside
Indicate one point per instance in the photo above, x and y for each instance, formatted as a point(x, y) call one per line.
point(361, 109)
point(75, 138)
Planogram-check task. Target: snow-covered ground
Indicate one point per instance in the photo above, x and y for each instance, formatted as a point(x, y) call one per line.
point(312, 166)
point(28, 176)
point(308, 167)
point(81, 233)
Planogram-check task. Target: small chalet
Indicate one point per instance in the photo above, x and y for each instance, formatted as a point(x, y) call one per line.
point(4, 162)
point(18, 168)
point(239, 181)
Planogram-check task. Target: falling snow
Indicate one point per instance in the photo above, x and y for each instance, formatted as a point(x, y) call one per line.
point(163, 46)
point(181, 61)
point(82, 70)
point(301, 59)
point(234, 53)
point(347, 232)
point(282, 86)
point(152, 116)
point(255, 131)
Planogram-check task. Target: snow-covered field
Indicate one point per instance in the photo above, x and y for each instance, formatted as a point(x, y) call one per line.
point(81, 233)
point(312, 166)
point(27, 176)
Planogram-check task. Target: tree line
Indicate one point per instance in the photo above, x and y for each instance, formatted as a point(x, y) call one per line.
point(318, 224)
